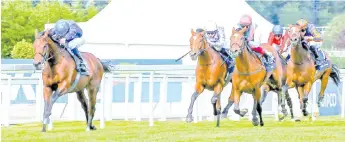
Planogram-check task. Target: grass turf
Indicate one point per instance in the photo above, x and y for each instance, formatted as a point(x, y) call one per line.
point(323, 129)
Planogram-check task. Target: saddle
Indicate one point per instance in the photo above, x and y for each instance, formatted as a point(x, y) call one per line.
point(322, 61)
point(269, 66)
point(76, 59)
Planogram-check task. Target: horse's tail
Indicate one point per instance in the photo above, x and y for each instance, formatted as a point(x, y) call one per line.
point(335, 74)
point(107, 67)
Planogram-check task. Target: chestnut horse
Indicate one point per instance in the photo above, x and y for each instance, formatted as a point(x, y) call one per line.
point(250, 75)
point(210, 72)
point(301, 71)
point(60, 76)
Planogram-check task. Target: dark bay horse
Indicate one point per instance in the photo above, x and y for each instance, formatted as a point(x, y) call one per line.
point(210, 72)
point(301, 71)
point(250, 75)
point(60, 76)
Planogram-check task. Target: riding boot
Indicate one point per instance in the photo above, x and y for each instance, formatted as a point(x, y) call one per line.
point(268, 56)
point(305, 44)
point(81, 66)
point(313, 50)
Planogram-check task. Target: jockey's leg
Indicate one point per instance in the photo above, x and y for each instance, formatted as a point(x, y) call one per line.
point(313, 50)
point(268, 55)
point(74, 44)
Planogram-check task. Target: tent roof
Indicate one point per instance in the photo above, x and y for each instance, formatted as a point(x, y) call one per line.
point(165, 22)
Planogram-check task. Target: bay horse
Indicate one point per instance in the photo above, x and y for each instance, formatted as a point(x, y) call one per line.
point(281, 50)
point(250, 75)
point(60, 76)
point(301, 71)
point(210, 72)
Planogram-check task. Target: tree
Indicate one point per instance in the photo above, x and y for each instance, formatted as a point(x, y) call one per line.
point(334, 32)
point(20, 18)
point(23, 50)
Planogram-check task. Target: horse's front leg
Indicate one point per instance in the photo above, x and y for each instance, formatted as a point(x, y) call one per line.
point(237, 94)
point(199, 88)
point(49, 100)
point(215, 100)
point(307, 88)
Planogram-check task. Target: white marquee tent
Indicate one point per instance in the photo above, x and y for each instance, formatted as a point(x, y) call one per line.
point(129, 29)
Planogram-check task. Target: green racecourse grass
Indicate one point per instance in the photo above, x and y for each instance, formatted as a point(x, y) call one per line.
point(323, 129)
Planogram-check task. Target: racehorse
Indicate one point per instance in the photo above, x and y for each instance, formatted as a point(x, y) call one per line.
point(301, 71)
point(284, 56)
point(60, 76)
point(210, 72)
point(250, 75)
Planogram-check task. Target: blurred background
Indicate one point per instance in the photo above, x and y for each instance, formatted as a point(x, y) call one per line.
point(19, 19)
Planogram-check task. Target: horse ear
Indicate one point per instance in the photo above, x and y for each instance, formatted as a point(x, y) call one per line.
point(233, 30)
point(243, 29)
point(192, 31)
point(36, 33)
point(46, 34)
point(290, 25)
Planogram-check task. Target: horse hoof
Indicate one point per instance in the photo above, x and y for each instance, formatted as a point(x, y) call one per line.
point(297, 120)
point(224, 115)
point(305, 113)
point(255, 122)
point(237, 111)
point(243, 112)
point(44, 128)
point(93, 127)
point(87, 129)
point(285, 113)
point(281, 117)
point(261, 123)
point(189, 119)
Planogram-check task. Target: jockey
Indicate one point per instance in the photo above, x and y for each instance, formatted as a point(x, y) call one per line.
point(253, 41)
point(69, 33)
point(276, 39)
point(310, 33)
point(215, 36)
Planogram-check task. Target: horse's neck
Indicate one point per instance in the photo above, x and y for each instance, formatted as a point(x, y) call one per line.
point(299, 54)
point(244, 60)
point(56, 53)
point(206, 58)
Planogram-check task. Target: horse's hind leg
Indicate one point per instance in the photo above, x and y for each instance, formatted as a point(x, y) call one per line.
point(227, 107)
point(264, 91)
point(258, 105)
point(324, 82)
point(92, 93)
point(289, 102)
point(82, 99)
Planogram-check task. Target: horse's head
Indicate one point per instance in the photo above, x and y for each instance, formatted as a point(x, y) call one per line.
point(294, 34)
point(41, 48)
point(197, 43)
point(237, 41)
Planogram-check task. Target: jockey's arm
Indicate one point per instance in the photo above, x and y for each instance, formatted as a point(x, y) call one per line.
point(317, 37)
point(73, 31)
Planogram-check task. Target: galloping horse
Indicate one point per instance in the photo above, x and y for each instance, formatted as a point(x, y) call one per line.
point(210, 72)
point(60, 76)
point(250, 75)
point(301, 71)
